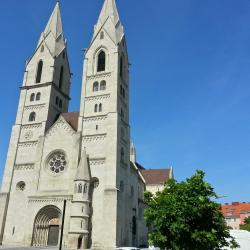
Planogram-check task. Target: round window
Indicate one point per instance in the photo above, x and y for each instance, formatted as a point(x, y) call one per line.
point(57, 162)
point(20, 186)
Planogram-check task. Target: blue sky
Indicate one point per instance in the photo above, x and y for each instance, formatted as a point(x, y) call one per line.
point(190, 79)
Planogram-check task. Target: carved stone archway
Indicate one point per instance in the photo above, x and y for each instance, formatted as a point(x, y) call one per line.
point(46, 226)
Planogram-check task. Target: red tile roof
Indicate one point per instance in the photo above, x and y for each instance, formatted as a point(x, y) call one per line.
point(72, 119)
point(156, 176)
point(235, 209)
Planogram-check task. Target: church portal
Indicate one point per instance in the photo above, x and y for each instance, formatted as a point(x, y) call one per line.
point(46, 227)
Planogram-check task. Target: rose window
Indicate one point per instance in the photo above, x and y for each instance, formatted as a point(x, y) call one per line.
point(57, 162)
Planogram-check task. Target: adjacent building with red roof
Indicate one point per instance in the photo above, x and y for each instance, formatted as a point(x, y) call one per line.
point(156, 178)
point(236, 213)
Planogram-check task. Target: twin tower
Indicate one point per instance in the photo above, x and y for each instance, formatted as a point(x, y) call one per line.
point(84, 158)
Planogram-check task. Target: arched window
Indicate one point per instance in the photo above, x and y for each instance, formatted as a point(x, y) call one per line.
point(123, 93)
point(42, 48)
point(122, 155)
point(95, 86)
point(85, 189)
point(38, 96)
point(121, 89)
point(122, 114)
point(102, 35)
point(32, 97)
point(121, 66)
point(80, 188)
point(100, 107)
point(132, 191)
point(103, 85)
point(121, 186)
point(61, 78)
point(57, 101)
point(96, 108)
point(32, 117)
point(101, 61)
point(122, 133)
point(60, 104)
point(39, 71)
point(95, 182)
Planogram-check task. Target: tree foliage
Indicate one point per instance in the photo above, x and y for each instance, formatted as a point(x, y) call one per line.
point(184, 217)
point(246, 225)
point(247, 220)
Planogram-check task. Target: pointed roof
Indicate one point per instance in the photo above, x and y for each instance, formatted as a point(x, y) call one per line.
point(109, 9)
point(72, 119)
point(83, 170)
point(109, 14)
point(53, 36)
point(132, 152)
point(132, 148)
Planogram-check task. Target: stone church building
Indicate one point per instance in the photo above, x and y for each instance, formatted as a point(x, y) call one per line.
point(85, 158)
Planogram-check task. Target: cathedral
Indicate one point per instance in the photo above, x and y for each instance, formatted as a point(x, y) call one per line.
point(73, 176)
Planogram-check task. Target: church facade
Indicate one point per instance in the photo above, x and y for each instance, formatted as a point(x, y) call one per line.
point(82, 163)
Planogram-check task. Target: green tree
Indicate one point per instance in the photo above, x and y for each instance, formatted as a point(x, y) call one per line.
point(246, 225)
point(184, 217)
point(247, 220)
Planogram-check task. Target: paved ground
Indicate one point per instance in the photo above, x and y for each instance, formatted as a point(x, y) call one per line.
point(27, 248)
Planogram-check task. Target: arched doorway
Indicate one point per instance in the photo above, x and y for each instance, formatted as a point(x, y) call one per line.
point(46, 227)
point(79, 243)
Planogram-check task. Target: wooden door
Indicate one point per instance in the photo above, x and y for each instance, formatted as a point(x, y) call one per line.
point(53, 236)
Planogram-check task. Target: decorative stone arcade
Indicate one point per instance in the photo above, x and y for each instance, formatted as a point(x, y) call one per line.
point(46, 227)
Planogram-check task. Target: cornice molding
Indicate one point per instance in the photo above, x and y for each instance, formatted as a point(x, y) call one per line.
point(45, 85)
point(97, 76)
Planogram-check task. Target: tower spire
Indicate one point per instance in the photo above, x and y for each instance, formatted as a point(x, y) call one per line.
point(109, 16)
point(53, 32)
point(83, 171)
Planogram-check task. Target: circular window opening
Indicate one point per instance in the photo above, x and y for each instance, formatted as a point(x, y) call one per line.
point(57, 162)
point(20, 186)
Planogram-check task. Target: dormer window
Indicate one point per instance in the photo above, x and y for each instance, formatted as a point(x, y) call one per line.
point(102, 35)
point(122, 155)
point(101, 61)
point(121, 67)
point(103, 85)
point(96, 108)
point(61, 78)
point(100, 107)
point(32, 97)
point(95, 86)
point(79, 188)
point(32, 117)
point(38, 96)
point(39, 71)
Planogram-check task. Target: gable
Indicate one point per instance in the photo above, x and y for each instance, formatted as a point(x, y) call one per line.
point(60, 128)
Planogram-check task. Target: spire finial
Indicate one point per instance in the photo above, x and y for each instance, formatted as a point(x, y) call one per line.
point(53, 32)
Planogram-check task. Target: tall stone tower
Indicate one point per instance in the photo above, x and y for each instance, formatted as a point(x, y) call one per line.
point(81, 159)
point(104, 123)
point(44, 95)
